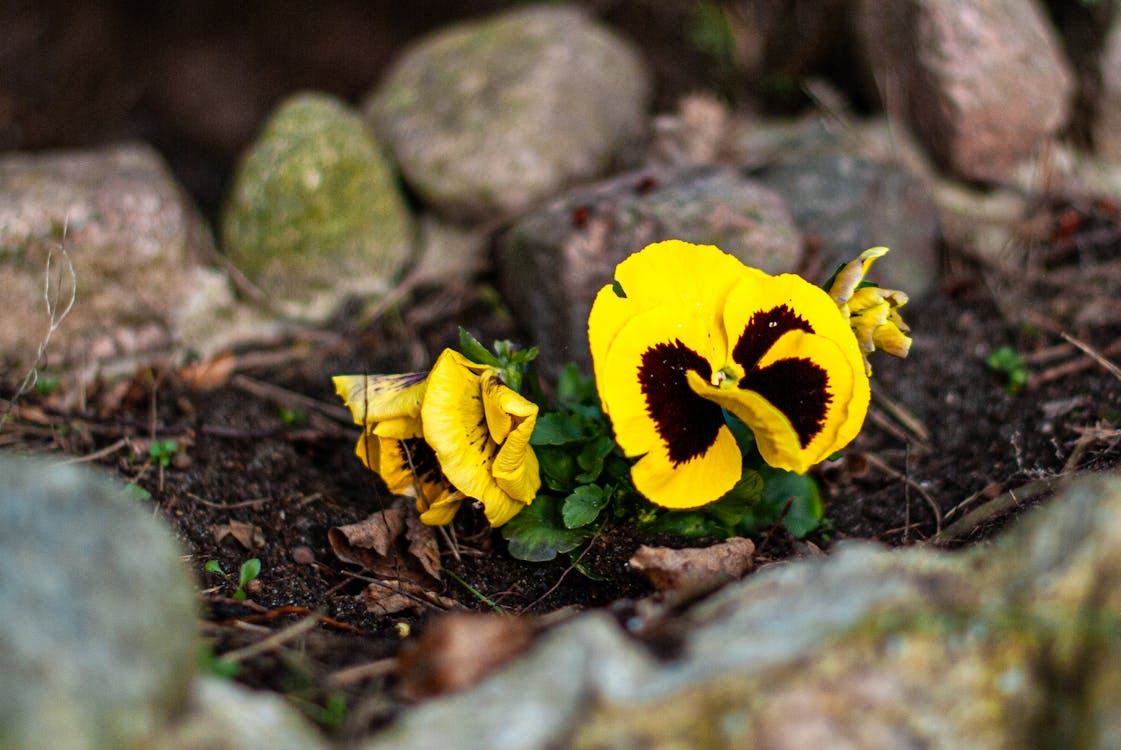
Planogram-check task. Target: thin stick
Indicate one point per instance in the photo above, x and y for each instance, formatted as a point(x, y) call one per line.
point(1000, 504)
point(1113, 369)
point(362, 672)
point(107, 450)
point(882, 466)
point(274, 641)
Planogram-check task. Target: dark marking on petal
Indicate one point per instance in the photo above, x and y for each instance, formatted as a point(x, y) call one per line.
point(687, 423)
point(797, 388)
point(762, 331)
point(419, 458)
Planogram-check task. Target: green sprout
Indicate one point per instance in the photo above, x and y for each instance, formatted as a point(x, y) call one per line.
point(160, 452)
point(1008, 362)
point(250, 569)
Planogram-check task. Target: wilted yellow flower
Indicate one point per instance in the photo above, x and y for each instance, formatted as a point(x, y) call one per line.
point(873, 312)
point(686, 331)
point(453, 433)
point(479, 429)
point(392, 444)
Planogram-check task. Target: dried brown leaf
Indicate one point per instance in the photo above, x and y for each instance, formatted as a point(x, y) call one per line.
point(247, 535)
point(688, 573)
point(210, 373)
point(458, 650)
point(377, 533)
point(392, 596)
point(423, 545)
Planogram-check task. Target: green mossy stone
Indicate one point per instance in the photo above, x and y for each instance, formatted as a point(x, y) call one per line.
point(315, 213)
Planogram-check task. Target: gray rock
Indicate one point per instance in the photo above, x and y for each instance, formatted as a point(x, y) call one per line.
point(315, 215)
point(222, 715)
point(138, 249)
point(1013, 645)
point(552, 261)
point(97, 615)
point(488, 117)
point(1106, 127)
point(845, 205)
point(981, 84)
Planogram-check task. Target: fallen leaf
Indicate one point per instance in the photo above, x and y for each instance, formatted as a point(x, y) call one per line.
point(392, 544)
point(389, 597)
point(459, 649)
point(693, 572)
point(210, 373)
point(377, 533)
point(423, 545)
point(246, 534)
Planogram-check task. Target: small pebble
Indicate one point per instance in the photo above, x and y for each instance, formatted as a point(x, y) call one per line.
point(303, 555)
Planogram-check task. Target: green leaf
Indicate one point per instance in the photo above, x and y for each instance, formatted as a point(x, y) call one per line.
point(475, 351)
point(806, 511)
point(136, 492)
point(555, 428)
point(558, 467)
point(213, 566)
point(689, 523)
point(729, 510)
point(583, 505)
point(250, 569)
point(574, 387)
point(591, 458)
point(537, 534)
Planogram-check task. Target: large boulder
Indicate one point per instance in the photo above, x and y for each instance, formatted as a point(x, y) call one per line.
point(315, 214)
point(488, 117)
point(97, 612)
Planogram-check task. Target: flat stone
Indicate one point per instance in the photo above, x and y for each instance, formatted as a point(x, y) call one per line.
point(1015, 644)
point(97, 612)
point(553, 261)
point(315, 215)
point(488, 117)
point(981, 84)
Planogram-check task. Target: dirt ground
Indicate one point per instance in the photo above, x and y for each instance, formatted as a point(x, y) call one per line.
point(264, 466)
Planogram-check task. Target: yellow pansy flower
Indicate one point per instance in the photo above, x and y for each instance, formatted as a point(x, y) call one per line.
point(455, 432)
point(686, 331)
point(479, 429)
point(392, 443)
point(872, 312)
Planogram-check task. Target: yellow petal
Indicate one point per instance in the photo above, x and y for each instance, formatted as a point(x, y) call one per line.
point(441, 512)
point(688, 456)
point(373, 398)
point(674, 272)
point(891, 339)
point(784, 329)
point(851, 274)
point(454, 414)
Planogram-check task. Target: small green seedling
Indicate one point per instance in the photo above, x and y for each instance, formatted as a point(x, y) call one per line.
point(1007, 361)
point(250, 569)
point(161, 451)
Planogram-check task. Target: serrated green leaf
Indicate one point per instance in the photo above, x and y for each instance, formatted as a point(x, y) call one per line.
point(558, 467)
point(554, 428)
point(591, 458)
point(537, 533)
point(470, 347)
point(583, 505)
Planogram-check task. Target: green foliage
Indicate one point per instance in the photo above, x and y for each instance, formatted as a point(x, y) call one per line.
point(292, 417)
point(710, 32)
point(538, 533)
point(1008, 363)
point(250, 569)
point(161, 451)
point(216, 665)
point(136, 492)
point(512, 362)
point(46, 384)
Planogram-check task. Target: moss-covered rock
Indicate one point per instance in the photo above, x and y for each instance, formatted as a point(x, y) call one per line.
point(315, 214)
